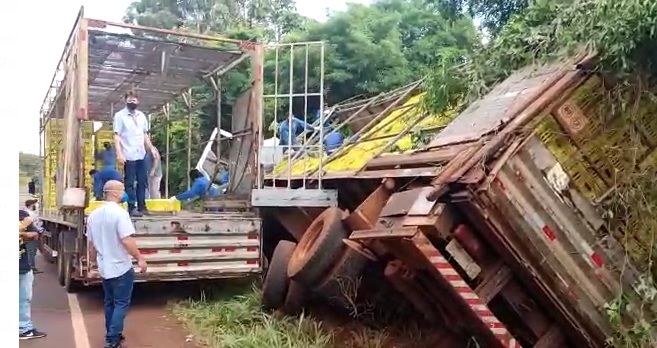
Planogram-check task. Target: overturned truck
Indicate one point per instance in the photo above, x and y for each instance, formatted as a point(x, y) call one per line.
point(497, 227)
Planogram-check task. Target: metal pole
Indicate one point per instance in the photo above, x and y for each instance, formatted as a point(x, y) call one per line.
point(218, 124)
point(321, 114)
point(276, 135)
point(189, 137)
point(305, 111)
point(289, 121)
point(166, 168)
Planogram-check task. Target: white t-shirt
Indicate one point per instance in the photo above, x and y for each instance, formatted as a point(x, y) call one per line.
point(106, 227)
point(131, 126)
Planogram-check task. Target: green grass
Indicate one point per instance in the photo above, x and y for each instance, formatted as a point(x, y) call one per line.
point(232, 318)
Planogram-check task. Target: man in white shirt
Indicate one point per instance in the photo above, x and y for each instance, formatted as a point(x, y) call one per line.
point(111, 243)
point(131, 142)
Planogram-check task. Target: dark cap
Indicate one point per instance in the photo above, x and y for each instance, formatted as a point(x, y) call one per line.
point(22, 214)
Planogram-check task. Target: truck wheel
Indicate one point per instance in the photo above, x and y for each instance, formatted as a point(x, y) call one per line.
point(340, 286)
point(295, 298)
point(44, 252)
point(60, 260)
point(274, 289)
point(318, 248)
point(70, 284)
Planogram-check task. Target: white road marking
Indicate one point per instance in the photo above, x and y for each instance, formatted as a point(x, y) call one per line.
point(77, 319)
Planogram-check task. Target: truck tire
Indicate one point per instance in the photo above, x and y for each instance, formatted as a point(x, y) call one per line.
point(342, 282)
point(295, 298)
point(60, 260)
point(70, 284)
point(318, 248)
point(274, 288)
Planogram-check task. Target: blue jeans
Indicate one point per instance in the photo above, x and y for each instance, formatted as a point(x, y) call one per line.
point(32, 246)
point(136, 171)
point(25, 302)
point(118, 292)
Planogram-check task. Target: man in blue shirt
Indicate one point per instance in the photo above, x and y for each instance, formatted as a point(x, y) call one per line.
point(107, 156)
point(333, 141)
point(297, 127)
point(199, 188)
point(101, 177)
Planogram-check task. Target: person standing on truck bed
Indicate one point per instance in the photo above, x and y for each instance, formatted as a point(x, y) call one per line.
point(132, 141)
point(154, 168)
point(111, 243)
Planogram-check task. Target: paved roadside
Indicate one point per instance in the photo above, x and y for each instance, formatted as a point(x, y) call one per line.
point(148, 323)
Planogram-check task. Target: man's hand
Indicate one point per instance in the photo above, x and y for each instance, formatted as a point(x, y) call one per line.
point(142, 265)
point(120, 158)
point(156, 154)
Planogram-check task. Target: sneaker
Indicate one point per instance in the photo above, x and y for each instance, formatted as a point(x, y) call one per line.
point(118, 344)
point(136, 213)
point(31, 334)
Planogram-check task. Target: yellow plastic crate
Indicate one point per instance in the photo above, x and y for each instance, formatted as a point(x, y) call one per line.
point(93, 205)
point(163, 205)
point(153, 205)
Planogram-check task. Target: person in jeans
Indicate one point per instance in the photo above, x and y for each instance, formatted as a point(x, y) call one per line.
point(27, 231)
point(154, 168)
point(32, 245)
point(111, 244)
point(201, 187)
point(131, 143)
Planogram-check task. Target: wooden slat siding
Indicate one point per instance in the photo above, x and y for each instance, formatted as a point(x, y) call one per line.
point(499, 228)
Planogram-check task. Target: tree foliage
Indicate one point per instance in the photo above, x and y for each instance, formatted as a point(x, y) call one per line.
point(624, 34)
point(369, 50)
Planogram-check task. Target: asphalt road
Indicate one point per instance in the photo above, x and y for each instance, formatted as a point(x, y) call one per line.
point(77, 321)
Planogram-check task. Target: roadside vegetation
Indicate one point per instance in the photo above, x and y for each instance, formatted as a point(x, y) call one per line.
point(231, 317)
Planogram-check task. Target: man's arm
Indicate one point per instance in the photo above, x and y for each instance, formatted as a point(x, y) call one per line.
point(118, 125)
point(126, 230)
point(156, 163)
point(147, 139)
point(93, 254)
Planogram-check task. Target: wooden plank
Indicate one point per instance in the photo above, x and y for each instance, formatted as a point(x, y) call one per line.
point(294, 198)
point(553, 338)
point(384, 233)
point(433, 156)
point(525, 308)
point(463, 259)
point(493, 284)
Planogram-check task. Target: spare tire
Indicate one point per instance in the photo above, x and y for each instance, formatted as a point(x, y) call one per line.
point(343, 280)
point(274, 289)
point(318, 248)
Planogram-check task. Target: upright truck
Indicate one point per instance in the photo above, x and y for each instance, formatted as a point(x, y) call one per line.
point(101, 61)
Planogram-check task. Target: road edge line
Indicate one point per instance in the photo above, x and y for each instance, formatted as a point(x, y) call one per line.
point(77, 320)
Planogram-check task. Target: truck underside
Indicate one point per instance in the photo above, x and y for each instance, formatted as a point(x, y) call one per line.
point(486, 230)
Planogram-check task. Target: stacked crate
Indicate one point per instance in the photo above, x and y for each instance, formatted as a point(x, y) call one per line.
point(54, 144)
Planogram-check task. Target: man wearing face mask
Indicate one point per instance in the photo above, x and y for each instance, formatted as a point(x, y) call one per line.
point(32, 245)
point(131, 143)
